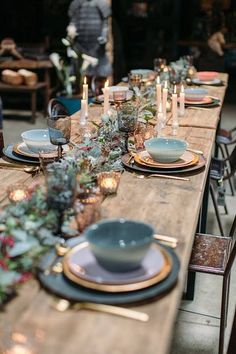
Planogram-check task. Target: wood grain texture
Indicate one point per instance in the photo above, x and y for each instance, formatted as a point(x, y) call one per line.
point(172, 207)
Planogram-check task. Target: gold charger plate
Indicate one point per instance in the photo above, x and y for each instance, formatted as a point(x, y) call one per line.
point(22, 149)
point(80, 277)
point(187, 159)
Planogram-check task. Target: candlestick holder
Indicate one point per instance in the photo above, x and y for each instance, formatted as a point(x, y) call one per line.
point(17, 193)
point(108, 182)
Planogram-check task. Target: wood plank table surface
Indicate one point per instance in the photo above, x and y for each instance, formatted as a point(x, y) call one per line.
point(172, 207)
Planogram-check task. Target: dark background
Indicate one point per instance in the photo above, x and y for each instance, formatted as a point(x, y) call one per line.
point(138, 38)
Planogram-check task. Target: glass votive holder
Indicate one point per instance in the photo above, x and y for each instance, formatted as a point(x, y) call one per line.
point(17, 193)
point(135, 80)
point(86, 214)
point(108, 182)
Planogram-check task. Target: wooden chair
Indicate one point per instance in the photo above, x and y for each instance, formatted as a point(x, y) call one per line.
point(215, 255)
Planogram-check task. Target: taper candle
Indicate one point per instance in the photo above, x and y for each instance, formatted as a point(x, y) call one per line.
point(181, 101)
point(175, 123)
point(85, 93)
point(158, 92)
point(164, 99)
point(106, 93)
point(83, 111)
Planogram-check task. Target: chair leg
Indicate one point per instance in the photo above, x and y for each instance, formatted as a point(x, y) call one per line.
point(223, 316)
point(216, 210)
point(226, 209)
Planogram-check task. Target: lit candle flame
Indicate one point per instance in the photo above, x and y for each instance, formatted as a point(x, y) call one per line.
point(166, 84)
point(182, 88)
point(158, 79)
point(175, 89)
point(107, 83)
point(85, 80)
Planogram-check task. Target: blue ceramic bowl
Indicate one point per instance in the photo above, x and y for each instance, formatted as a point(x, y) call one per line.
point(38, 140)
point(195, 94)
point(165, 150)
point(119, 245)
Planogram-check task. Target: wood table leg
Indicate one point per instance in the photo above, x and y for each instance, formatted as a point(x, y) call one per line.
point(202, 223)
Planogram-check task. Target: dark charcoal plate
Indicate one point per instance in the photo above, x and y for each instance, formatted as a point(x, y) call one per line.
point(8, 152)
point(58, 284)
point(140, 168)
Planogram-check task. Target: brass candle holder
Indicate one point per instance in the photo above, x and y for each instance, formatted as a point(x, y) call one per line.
point(108, 182)
point(17, 193)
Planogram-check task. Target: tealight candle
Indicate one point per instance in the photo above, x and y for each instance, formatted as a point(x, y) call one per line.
point(106, 93)
point(108, 182)
point(181, 101)
point(164, 99)
point(17, 193)
point(158, 92)
point(85, 94)
point(175, 123)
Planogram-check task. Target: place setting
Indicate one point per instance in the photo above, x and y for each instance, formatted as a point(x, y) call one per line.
point(112, 263)
point(164, 155)
point(199, 98)
point(208, 78)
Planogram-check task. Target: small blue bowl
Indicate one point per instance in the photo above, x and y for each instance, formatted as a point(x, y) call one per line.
point(165, 150)
point(195, 94)
point(119, 245)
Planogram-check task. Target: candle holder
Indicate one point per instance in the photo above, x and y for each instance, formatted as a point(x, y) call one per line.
point(86, 214)
point(108, 182)
point(17, 193)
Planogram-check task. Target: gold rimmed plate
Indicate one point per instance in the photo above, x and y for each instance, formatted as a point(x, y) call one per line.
point(187, 159)
point(22, 149)
point(82, 268)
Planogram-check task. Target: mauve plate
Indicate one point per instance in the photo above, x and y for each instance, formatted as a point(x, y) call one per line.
point(140, 168)
point(58, 284)
point(81, 267)
point(214, 82)
point(22, 149)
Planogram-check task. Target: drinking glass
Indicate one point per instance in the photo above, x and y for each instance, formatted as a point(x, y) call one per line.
point(159, 64)
point(59, 127)
point(61, 191)
point(135, 80)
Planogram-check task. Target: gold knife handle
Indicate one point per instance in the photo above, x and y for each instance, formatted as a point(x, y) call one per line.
point(165, 238)
point(115, 310)
point(169, 177)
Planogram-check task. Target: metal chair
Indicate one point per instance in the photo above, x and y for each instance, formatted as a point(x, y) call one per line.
point(217, 172)
point(215, 255)
point(232, 340)
point(224, 139)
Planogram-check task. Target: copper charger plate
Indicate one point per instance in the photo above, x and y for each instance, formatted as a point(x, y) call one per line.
point(187, 159)
point(205, 100)
point(81, 267)
point(134, 166)
point(22, 149)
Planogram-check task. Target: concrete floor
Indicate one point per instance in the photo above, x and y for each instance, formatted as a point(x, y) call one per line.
point(194, 333)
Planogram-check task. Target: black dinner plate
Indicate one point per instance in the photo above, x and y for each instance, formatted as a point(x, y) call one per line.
point(8, 152)
point(59, 285)
point(140, 168)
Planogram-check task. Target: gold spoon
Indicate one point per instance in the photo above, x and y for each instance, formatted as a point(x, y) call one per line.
point(163, 176)
point(61, 250)
point(63, 305)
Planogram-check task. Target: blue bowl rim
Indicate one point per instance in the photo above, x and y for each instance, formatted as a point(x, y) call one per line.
point(184, 142)
point(195, 91)
point(23, 135)
point(121, 220)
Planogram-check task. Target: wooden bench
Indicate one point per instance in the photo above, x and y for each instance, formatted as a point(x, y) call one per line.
point(32, 90)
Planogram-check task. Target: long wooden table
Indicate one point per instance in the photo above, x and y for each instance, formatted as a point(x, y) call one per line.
point(172, 207)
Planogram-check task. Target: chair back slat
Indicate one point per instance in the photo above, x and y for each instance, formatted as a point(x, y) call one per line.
point(232, 161)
